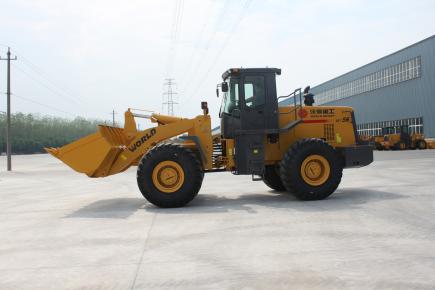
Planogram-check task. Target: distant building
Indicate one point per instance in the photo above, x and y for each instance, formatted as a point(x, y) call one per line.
point(398, 89)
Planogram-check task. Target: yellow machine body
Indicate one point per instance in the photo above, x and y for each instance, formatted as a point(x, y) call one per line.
point(391, 141)
point(112, 150)
point(335, 125)
point(298, 148)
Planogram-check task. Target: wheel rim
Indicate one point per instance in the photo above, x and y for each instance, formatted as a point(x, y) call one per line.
point(168, 176)
point(315, 170)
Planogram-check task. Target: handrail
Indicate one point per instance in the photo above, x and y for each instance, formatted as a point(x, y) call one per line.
point(295, 93)
point(142, 110)
point(299, 89)
point(141, 116)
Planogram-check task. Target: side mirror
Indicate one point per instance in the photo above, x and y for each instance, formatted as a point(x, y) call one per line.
point(235, 113)
point(204, 107)
point(224, 87)
point(217, 92)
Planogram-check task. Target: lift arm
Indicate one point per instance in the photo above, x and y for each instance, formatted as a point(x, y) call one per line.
point(112, 150)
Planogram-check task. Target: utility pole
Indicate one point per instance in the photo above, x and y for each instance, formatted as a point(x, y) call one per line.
point(168, 96)
point(4, 134)
point(8, 113)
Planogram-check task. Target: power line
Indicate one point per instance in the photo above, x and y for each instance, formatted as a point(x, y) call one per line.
point(46, 77)
point(176, 27)
point(42, 74)
point(54, 91)
point(221, 14)
point(168, 96)
point(43, 105)
point(224, 44)
point(31, 100)
point(221, 49)
point(198, 39)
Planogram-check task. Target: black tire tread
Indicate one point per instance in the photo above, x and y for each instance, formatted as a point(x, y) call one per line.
point(272, 179)
point(187, 159)
point(290, 169)
point(422, 142)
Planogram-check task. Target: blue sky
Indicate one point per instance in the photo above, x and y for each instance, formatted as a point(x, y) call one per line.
point(85, 58)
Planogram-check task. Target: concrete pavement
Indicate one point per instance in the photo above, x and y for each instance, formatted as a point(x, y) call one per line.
point(62, 230)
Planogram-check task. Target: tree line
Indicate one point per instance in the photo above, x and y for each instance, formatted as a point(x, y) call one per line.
point(31, 133)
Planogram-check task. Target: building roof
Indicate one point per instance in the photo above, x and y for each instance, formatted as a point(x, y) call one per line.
point(379, 59)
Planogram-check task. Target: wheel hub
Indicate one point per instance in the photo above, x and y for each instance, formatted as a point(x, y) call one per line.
point(315, 170)
point(168, 176)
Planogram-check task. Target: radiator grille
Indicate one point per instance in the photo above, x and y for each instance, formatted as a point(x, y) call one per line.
point(329, 132)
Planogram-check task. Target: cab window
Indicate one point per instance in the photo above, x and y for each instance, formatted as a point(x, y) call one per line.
point(231, 98)
point(255, 94)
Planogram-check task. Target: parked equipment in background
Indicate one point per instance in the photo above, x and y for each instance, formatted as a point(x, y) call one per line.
point(399, 138)
point(430, 143)
point(299, 149)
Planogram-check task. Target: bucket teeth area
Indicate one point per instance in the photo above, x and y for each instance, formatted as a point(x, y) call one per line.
point(114, 136)
point(52, 151)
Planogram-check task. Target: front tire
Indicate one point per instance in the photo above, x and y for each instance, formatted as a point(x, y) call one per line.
point(311, 169)
point(272, 179)
point(169, 175)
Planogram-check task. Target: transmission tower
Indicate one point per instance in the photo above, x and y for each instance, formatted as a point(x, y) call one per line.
point(169, 96)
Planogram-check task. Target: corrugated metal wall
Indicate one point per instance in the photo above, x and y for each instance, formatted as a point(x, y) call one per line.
point(408, 99)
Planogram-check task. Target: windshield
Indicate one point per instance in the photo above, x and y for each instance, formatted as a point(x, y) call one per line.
point(230, 100)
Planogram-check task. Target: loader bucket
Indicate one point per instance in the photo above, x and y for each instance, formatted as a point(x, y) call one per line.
point(93, 154)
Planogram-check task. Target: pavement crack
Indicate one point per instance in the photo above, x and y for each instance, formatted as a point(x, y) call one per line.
point(143, 251)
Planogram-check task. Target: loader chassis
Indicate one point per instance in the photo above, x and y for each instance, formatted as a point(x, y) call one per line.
point(300, 149)
point(263, 132)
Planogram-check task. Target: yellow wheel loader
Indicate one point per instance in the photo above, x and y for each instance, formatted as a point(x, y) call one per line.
point(399, 138)
point(297, 148)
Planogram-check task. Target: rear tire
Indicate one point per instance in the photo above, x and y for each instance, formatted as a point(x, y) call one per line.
point(311, 169)
point(272, 179)
point(421, 144)
point(169, 175)
point(378, 146)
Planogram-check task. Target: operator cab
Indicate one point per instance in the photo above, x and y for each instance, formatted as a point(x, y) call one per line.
point(249, 100)
point(249, 110)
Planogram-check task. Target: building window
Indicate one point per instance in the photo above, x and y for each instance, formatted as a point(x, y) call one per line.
point(401, 72)
point(415, 125)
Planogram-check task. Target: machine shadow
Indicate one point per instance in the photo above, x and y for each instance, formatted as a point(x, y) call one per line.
point(117, 208)
point(342, 199)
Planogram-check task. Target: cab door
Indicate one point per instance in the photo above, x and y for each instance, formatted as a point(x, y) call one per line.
point(249, 140)
point(254, 102)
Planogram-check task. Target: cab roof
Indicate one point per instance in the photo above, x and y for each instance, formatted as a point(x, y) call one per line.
point(236, 71)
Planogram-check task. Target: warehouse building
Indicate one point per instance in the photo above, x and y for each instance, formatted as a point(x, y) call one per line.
point(398, 89)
